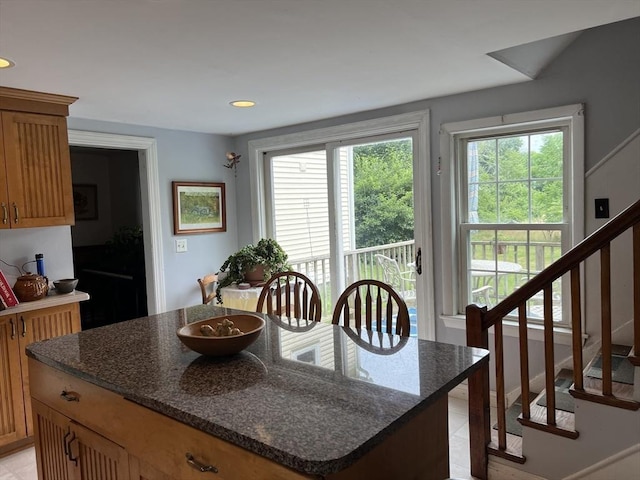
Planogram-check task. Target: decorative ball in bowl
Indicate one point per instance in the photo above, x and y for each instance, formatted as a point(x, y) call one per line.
point(65, 285)
point(217, 336)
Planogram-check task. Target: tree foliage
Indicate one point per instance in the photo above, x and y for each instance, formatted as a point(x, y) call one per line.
point(518, 182)
point(383, 193)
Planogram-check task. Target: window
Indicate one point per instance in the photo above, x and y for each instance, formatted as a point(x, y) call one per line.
point(512, 185)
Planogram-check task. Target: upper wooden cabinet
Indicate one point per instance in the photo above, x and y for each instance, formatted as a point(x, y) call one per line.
point(35, 167)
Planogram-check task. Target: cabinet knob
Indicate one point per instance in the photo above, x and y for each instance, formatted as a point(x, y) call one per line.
point(201, 467)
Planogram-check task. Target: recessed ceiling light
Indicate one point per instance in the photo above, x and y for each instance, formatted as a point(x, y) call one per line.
point(6, 63)
point(242, 103)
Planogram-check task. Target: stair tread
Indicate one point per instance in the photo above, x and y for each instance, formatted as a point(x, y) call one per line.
point(564, 420)
point(514, 447)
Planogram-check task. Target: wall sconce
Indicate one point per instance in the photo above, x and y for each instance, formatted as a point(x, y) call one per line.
point(233, 160)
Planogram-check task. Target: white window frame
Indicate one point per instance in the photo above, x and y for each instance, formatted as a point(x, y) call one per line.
point(419, 121)
point(569, 117)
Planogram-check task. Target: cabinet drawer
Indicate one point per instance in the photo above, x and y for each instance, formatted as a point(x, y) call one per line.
point(81, 401)
point(151, 437)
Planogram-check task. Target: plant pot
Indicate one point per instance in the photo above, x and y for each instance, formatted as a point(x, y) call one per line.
point(254, 276)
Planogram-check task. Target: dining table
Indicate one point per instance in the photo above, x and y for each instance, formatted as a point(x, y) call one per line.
point(310, 398)
point(483, 272)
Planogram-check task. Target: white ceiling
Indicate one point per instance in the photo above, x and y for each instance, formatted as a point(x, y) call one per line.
point(178, 63)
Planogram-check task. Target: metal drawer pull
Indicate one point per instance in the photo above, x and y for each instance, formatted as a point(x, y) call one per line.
point(13, 329)
point(73, 439)
point(64, 443)
point(24, 326)
point(70, 396)
point(201, 467)
point(15, 209)
point(5, 214)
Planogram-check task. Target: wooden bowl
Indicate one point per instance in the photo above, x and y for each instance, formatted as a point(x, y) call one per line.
point(250, 325)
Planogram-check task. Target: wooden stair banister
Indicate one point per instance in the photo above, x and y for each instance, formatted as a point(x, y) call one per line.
point(479, 320)
point(601, 237)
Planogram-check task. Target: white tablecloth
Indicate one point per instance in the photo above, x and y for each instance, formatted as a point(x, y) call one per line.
point(233, 297)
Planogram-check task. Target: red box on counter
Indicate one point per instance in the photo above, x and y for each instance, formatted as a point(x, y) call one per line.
point(6, 293)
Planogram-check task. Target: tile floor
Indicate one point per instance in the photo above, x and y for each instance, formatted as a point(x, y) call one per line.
point(22, 465)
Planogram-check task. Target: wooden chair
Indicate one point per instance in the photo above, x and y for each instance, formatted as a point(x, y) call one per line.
point(208, 287)
point(379, 343)
point(291, 295)
point(382, 308)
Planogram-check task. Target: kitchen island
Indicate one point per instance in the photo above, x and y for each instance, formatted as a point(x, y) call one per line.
point(311, 403)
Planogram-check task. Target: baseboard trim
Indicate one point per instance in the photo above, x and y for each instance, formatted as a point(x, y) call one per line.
point(597, 470)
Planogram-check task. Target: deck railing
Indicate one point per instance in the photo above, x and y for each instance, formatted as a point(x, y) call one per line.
point(359, 264)
point(480, 320)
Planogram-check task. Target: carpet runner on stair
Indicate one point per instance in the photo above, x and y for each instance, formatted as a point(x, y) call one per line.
point(622, 372)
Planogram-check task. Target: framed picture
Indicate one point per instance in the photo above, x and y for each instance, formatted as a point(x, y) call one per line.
point(199, 207)
point(85, 201)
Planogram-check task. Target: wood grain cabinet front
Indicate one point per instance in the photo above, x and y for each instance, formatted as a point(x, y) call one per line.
point(70, 451)
point(35, 166)
point(16, 332)
point(158, 447)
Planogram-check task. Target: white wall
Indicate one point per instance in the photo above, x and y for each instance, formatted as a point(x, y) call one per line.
point(618, 179)
point(20, 246)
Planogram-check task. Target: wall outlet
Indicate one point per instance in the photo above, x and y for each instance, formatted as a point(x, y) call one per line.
point(181, 245)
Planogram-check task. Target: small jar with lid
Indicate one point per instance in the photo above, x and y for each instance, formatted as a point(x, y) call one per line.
point(31, 287)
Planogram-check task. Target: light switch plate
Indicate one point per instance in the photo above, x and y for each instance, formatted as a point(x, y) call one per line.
point(181, 245)
point(602, 207)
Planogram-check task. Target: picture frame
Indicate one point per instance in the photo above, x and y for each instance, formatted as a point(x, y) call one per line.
point(85, 201)
point(199, 207)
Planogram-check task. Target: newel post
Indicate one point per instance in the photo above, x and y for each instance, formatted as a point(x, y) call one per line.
point(478, 384)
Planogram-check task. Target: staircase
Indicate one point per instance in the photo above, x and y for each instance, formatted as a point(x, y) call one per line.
point(604, 428)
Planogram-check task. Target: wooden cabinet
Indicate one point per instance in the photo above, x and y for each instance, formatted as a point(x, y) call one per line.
point(35, 167)
point(161, 448)
point(16, 332)
point(68, 450)
point(157, 446)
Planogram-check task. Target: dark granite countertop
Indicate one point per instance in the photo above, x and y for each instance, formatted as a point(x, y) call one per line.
point(314, 401)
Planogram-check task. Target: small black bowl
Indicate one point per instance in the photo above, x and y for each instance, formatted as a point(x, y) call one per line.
point(65, 285)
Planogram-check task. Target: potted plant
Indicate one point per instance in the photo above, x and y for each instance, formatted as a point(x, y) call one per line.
point(263, 259)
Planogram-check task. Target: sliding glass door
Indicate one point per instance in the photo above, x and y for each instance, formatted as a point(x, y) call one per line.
point(345, 211)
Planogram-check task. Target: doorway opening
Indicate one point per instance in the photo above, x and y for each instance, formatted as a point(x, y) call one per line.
point(107, 239)
point(150, 196)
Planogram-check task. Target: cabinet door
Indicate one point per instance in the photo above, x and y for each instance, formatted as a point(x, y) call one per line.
point(4, 192)
point(38, 169)
point(95, 457)
point(52, 437)
point(65, 450)
point(38, 325)
point(141, 470)
point(12, 416)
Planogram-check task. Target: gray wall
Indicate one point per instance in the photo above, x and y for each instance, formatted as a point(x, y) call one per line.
point(182, 156)
point(600, 69)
